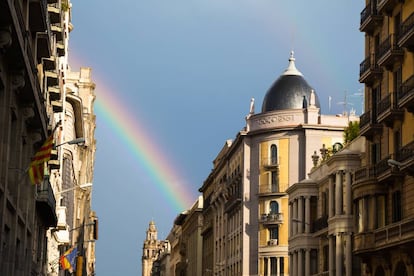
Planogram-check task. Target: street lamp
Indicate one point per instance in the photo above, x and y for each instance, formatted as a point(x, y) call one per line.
point(81, 186)
point(77, 141)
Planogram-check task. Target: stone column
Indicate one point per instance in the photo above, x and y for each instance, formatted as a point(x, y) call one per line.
point(300, 217)
point(348, 256)
point(338, 193)
point(307, 214)
point(295, 263)
point(295, 216)
point(278, 265)
point(339, 253)
point(331, 197)
point(348, 181)
point(300, 262)
point(331, 255)
point(267, 260)
point(290, 220)
point(307, 262)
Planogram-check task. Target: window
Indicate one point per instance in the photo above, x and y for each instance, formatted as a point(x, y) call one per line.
point(360, 215)
point(396, 206)
point(325, 210)
point(314, 261)
point(273, 154)
point(326, 258)
point(381, 211)
point(274, 207)
point(275, 181)
point(274, 233)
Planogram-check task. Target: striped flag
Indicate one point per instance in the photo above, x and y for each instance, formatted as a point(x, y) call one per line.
point(68, 259)
point(37, 167)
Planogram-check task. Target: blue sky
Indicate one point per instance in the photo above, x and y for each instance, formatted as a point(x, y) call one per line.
point(187, 70)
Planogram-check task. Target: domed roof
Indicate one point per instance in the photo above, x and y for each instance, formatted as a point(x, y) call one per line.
point(289, 91)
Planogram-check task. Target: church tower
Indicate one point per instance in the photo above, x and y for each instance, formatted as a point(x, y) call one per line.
point(150, 249)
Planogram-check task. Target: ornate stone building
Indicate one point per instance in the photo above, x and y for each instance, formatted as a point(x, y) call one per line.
point(322, 216)
point(383, 188)
point(155, 254)
point(246, 205)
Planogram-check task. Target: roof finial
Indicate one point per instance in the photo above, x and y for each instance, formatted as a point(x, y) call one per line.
point(292, 58)
point(291, 70)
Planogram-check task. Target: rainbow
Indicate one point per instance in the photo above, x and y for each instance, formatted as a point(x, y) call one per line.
point(137, 138)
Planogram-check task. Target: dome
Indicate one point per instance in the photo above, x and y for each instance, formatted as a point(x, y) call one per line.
point(289, 91)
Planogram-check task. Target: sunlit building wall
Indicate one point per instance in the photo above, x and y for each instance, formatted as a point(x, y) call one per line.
point(323, 220)
point(383, 192)
point(247, 208)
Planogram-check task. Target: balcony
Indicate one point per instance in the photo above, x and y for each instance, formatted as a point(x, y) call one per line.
point(271, 219)
point(46, 203)
point(369, 71)
point(370, 18)
point(54, 13)
point(386, 6)
point(406, 95)
point(406, 157)
point(363, 242)
point(364, 174)
point(52, 78)
point(207, 226)
point(54, 93)
point(43, 45)
point(60, 48)
point(266, 190)
point(54, 164)
point(270, 164)
point(389, 52)
point(232, 202)
point(368, 125)
point(386, 173)
point(49, 64)
point(406, 36)
point(394, 234)
point(57, 29)
point(406, 153)
point(388, 110)
point(57, 107)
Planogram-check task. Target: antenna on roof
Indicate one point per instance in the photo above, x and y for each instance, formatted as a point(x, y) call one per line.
point(345, 103)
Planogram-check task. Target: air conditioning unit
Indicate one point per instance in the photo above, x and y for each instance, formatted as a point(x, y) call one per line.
point(272, 242)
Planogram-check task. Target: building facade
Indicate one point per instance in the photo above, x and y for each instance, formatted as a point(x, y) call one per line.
point(246, 205)
point(27, 42)
point(322, 215)
point(37, 222)
point(382, 189)
point(155, 254)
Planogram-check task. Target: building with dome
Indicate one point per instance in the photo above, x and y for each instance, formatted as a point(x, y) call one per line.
point(246, 207)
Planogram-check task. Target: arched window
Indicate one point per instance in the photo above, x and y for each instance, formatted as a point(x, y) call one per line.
point(379, 271)
point(400, 270)
point(273, 154)
point(274, 207)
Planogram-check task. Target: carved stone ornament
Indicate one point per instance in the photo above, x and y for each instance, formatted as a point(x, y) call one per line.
point(18, 80)
point(275, 119)
point(5, 37)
